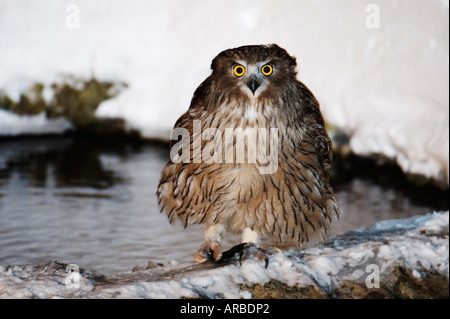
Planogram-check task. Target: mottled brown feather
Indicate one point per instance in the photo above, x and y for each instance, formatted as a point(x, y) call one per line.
point(294, 203)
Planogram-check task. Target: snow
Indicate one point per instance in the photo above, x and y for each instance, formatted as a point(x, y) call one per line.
point(13, 124)
point(384, 85)
point(327, 266)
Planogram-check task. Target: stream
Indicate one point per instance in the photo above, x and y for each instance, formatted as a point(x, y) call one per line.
point(93, 203)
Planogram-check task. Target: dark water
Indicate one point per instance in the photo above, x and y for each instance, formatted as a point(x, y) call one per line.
point(93, 203)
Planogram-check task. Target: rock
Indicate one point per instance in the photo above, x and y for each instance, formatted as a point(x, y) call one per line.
point(74, 100)
point(394, 259)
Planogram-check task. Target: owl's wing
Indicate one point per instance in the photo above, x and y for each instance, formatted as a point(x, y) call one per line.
point(315, 129)
point(185, 122)
point(193, 113)
point(307, 203)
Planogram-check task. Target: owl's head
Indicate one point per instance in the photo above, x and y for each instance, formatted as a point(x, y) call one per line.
point(254, 71)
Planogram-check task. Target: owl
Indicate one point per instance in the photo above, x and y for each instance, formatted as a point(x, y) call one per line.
point(251, 155)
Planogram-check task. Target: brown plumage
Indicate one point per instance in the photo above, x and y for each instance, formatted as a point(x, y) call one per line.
point(294, 201)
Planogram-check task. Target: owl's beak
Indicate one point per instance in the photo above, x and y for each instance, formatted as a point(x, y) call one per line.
point(253, 84)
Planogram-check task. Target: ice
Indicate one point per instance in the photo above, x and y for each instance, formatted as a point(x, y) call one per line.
point(13, 124)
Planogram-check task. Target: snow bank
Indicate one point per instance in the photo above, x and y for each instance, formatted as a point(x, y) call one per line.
point(364, 259)
point(380, 72)
point(12, 124)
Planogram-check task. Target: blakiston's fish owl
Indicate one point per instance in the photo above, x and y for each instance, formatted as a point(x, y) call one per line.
point(252, 102)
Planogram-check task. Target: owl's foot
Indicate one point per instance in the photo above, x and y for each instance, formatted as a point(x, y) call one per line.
point(210, 250)
point(246, 251)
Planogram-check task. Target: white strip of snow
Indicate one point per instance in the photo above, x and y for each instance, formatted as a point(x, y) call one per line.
point(12, 124)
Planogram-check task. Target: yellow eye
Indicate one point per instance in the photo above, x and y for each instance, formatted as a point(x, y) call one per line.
point(267, 70)
point(239, 70)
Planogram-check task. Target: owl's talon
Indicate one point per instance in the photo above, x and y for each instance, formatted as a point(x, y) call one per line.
point(246, 251)
point(210, 250)
point(252, 251)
